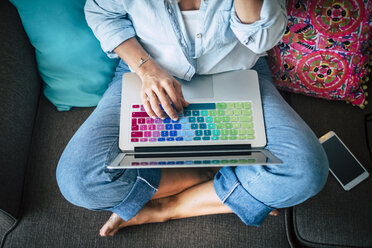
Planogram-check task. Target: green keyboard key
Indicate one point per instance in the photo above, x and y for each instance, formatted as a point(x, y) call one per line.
point(250, 137)
point(221, 105)
point(229, 112)
point(224, 137)
point(241, 131)
point(238, 105)
point(224, 161)
point(220, 112)
point(233, 161)
point(212, 112)
point(219, 126)
point(245, 118)
point(247, 105)
point(247, 124)
point(225, 132)
point(217, 119)
point(237, 112)
point(242, 137)
point(233, 132)
point(246, 112)
point(233, 118)
point(228, 125)
point(236, 125)
point(233, 138)
point(226, 119)
point(250, 131)
point(230, 105)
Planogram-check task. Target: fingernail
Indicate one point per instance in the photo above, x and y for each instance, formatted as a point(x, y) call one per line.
point(153, 117)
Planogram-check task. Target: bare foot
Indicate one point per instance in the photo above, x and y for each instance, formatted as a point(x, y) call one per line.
point(112, 225)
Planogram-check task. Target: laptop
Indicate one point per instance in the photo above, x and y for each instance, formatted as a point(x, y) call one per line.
point(222, 126)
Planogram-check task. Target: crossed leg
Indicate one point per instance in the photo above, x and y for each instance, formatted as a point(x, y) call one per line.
point(194, 196)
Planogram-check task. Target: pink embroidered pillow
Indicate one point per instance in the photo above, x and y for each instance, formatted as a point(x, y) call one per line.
point(325, 50)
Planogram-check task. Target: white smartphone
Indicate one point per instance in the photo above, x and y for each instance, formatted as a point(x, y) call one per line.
point(344, 166)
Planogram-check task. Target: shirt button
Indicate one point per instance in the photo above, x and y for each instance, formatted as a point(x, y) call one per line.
point(199, 35)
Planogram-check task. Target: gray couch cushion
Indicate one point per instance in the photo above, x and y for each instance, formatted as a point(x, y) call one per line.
point(50, 221)
point(19, 94)
point(335, 216)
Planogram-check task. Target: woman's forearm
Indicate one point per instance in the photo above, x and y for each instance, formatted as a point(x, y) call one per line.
point(248, 11)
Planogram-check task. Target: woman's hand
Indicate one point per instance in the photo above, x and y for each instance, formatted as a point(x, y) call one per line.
point(159, 87)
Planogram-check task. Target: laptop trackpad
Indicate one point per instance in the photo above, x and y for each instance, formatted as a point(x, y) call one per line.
point(200, 87)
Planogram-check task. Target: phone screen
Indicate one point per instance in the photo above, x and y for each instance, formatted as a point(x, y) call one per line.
point(341, 162)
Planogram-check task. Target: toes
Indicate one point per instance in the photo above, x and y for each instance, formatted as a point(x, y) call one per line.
point(274, 212)
point(113, 224)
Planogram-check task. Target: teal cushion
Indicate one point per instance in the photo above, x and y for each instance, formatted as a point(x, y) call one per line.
point(71, 62)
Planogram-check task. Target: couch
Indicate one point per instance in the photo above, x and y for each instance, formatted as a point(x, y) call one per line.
point(33, 213)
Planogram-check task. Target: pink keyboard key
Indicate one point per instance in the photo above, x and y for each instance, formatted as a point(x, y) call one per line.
point(160, 127)
point(152, 127)
point(156, 134)
point(142, 108)
point(147, 134)
point(134, 121)
point(137, 134)
point(158, 120)
point(152, 139)
point(134, 140)
point(143, 127)
point(141, 121)
point(143, 139)
point(135, 127)
point(139, 114)
point(135, 106)
point(134, 163)
point(149, 120)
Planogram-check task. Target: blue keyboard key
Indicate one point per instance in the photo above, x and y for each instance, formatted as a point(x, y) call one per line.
point(195, 113)
point(171, 162)
point(202, 126)
point(201, 106)
point(183, 120)
point(177, 126)
point(190, 133)
point(167, 120)
point(177, 121)
point(179, 139)
point(206, 138)
point(194, 126)
point(161, 139)
point(187, 113)
point(180, 162)
point(164, 133)
point(168, 126)
point(182, 133)
point(198, 132)
point(188, 162)
point(192, 119)
point(200, 119)
point(162, 163)
point(172, 133)
point(170, 139)
point(207, 132)
point(185, 126)
point(197, 138)
point(188, 139)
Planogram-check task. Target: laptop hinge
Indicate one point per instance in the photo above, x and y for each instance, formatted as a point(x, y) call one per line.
point(192, 151)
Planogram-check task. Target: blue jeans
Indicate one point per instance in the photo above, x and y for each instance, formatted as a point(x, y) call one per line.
point(251, 192)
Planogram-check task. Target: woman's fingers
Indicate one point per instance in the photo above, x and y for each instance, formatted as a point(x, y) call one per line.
point(178, 88)
point(146, 104)
point(174, 96)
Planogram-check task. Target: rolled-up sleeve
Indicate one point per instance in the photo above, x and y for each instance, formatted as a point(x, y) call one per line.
point(109, 23)
point(265, 33)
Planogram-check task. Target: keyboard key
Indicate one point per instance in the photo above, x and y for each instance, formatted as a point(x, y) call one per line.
point(216, 132)
point(173, 133)
point(152, 140)
point(223, 137)
point(233, 138)
point(188, 139)
point(224, 132)
point(135, 128)
point(229, 112)
point(236, 125)
point(250, 131)
point(246, 112)
point(228, 125)
point(168, 126)
point(143, 139)
point(161, 139)
point(135, 106)
point(193, 106)
point(202, 126)
point(220, 112)
point(183, 120)
point(206, 138)
point(179, 139)
point(195, 113)
point(204, 113)
point(152, 127)
point(198, 132)
point(158, 120)
point(251, 137)
point(242, 137)
point(192, 119)
point(233, 118)
point(134, 140)
point(238, 105)
point(185, 126)
point(217, 119)
point(147, 134)
point(233, 132)
point(143, 127)
point(167, 120)
point(177, 121)
point(140, 114)
point(225, 119)
point(200, 119)
point(245, 118)
point(177, 126)
point(215, 138)
point(136, 134)
point(194, 126)
point(212, 112)
point(241, 131)
point(237, 112)
point(197, 138)
point(134, 121)
point(190, 133)
point(208, 119)
point(220, 126)
point(182, 133)
point(230, 105)
point(149, 120)
point(211, 126)
point(160, 127)
point(187, 113)
point(221, 105)
point(207, 132)
point(164, 133)
point(170, 139)
point(156, 134)
point(141, 121)
point(247, 125)
point(247, 105)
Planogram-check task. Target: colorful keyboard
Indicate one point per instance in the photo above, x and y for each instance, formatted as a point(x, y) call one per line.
point(200, 122)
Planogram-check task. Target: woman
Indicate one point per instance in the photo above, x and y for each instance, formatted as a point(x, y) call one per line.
point(162, 41)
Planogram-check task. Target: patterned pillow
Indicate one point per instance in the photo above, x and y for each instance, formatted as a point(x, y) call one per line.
point(325, 50)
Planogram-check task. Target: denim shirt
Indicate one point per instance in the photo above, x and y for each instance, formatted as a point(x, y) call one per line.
point(223, 43)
